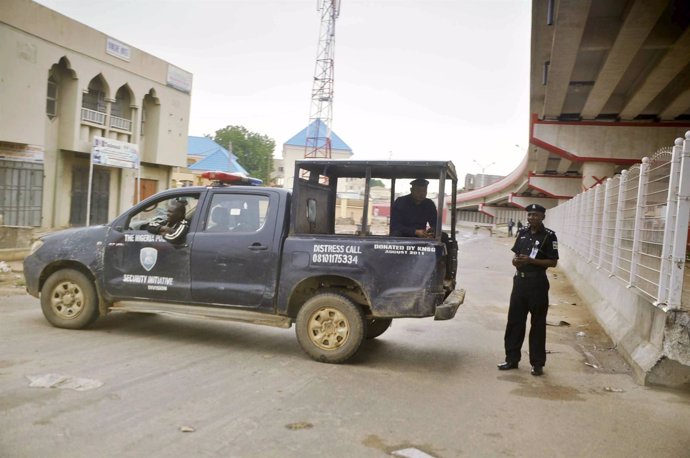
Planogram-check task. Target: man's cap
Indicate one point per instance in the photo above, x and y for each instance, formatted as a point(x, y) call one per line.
point(535, 208)
point(419, 182)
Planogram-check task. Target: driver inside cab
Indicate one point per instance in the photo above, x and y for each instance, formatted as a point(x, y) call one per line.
point(175, 227)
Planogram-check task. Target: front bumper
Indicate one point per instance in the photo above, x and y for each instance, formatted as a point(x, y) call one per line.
point(447, 310)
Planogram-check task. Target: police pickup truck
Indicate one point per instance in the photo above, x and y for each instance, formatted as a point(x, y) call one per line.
point(266, 256)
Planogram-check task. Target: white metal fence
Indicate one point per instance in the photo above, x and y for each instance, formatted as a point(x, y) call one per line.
point(635, 226)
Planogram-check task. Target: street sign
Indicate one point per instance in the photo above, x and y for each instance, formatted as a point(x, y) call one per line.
point(114, 153)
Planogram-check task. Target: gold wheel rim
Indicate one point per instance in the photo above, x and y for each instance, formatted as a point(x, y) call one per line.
point(67, 300)
point(328, 328)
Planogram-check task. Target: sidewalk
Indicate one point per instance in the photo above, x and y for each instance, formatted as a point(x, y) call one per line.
point(11, 278)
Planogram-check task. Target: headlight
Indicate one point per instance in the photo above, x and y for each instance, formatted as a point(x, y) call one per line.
point(35, 246)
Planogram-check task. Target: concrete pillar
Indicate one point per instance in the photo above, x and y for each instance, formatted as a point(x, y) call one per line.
point(108, 106)
point(136, 123)
point(127, 190)
point(594, 173)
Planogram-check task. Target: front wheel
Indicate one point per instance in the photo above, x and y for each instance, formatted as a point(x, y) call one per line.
point(330, 328)
point(69, 300)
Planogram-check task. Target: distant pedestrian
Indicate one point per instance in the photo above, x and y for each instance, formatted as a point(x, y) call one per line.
point(511, 223)
point(536, 249)
point(519, 226)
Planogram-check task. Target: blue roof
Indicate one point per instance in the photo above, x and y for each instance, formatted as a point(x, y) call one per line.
point(318, 129)
point(215, 157)
point(202, 146)
point(219, 161)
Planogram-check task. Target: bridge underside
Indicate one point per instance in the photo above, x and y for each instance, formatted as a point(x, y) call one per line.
point(609, 85)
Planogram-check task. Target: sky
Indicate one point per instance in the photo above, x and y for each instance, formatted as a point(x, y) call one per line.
point(414, 79)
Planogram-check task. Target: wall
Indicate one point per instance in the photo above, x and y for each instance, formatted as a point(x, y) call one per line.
point(293, 153)
point(648, 338)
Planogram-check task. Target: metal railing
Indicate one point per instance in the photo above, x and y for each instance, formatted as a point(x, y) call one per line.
point(96, 117)
point(635, 226)
point(120, 123)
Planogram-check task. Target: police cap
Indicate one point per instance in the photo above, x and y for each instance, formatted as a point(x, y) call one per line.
point(535, 208)
point(419, 182)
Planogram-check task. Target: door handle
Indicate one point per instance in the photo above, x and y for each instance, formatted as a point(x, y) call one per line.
point(256, 246)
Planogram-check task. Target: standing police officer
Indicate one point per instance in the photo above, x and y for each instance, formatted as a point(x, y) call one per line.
point(536, 249)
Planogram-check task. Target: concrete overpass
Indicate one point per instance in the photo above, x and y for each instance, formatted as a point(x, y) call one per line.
point(609, 85)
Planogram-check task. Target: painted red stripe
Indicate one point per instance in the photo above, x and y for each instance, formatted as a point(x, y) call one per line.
point(574, 158)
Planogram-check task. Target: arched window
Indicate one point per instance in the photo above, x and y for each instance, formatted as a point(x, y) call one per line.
point(150, 109)
point(120, 113)
point(93, 105)
point(61, 77)
point(52, 97)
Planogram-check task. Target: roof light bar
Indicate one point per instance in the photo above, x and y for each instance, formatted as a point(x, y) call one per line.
point(232, 178)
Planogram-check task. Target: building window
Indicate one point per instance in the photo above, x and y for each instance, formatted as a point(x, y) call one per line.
point(51, 98)
point(94, 100)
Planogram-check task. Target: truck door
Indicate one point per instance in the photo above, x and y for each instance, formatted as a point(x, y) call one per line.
point(234, 256)
point(142, 265)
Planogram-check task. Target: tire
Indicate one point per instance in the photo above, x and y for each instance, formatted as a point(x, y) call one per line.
point(376, 327)
point(330, 328)
point(69, 300)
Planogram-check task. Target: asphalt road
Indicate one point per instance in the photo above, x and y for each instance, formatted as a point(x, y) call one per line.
point(249, 391)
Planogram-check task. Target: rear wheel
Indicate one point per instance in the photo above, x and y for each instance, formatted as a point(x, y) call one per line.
point(377, 326)
point(330, 328)
point(69, 300)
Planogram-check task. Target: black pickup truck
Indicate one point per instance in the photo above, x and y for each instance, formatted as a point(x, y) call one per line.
point(264, 255)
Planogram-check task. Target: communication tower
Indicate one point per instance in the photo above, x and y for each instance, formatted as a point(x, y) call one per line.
point(318, 141)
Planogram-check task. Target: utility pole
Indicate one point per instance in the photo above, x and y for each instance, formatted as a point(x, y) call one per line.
point(229, 156)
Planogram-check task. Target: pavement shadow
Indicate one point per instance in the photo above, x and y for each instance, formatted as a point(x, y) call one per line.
point(212, 333)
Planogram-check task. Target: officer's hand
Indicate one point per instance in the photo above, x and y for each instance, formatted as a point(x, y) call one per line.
point(153, 227)
point(521, 260)
point(422, 233)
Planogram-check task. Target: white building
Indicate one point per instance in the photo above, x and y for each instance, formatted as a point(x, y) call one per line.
point(293, 150)
point(64, 83)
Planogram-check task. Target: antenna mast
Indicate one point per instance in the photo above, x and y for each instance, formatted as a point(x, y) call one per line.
point(318, 143)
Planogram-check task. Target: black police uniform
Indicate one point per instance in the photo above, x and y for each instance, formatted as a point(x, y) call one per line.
point(530, 294)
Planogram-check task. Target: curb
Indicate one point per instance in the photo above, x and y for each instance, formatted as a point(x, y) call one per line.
point(13, 254)
point(12, 290)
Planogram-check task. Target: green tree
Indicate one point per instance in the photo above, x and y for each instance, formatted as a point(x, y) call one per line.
point(376, 183)
point(254, 151)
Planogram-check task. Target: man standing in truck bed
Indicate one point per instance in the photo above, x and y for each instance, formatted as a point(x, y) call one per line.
point(414, 215)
